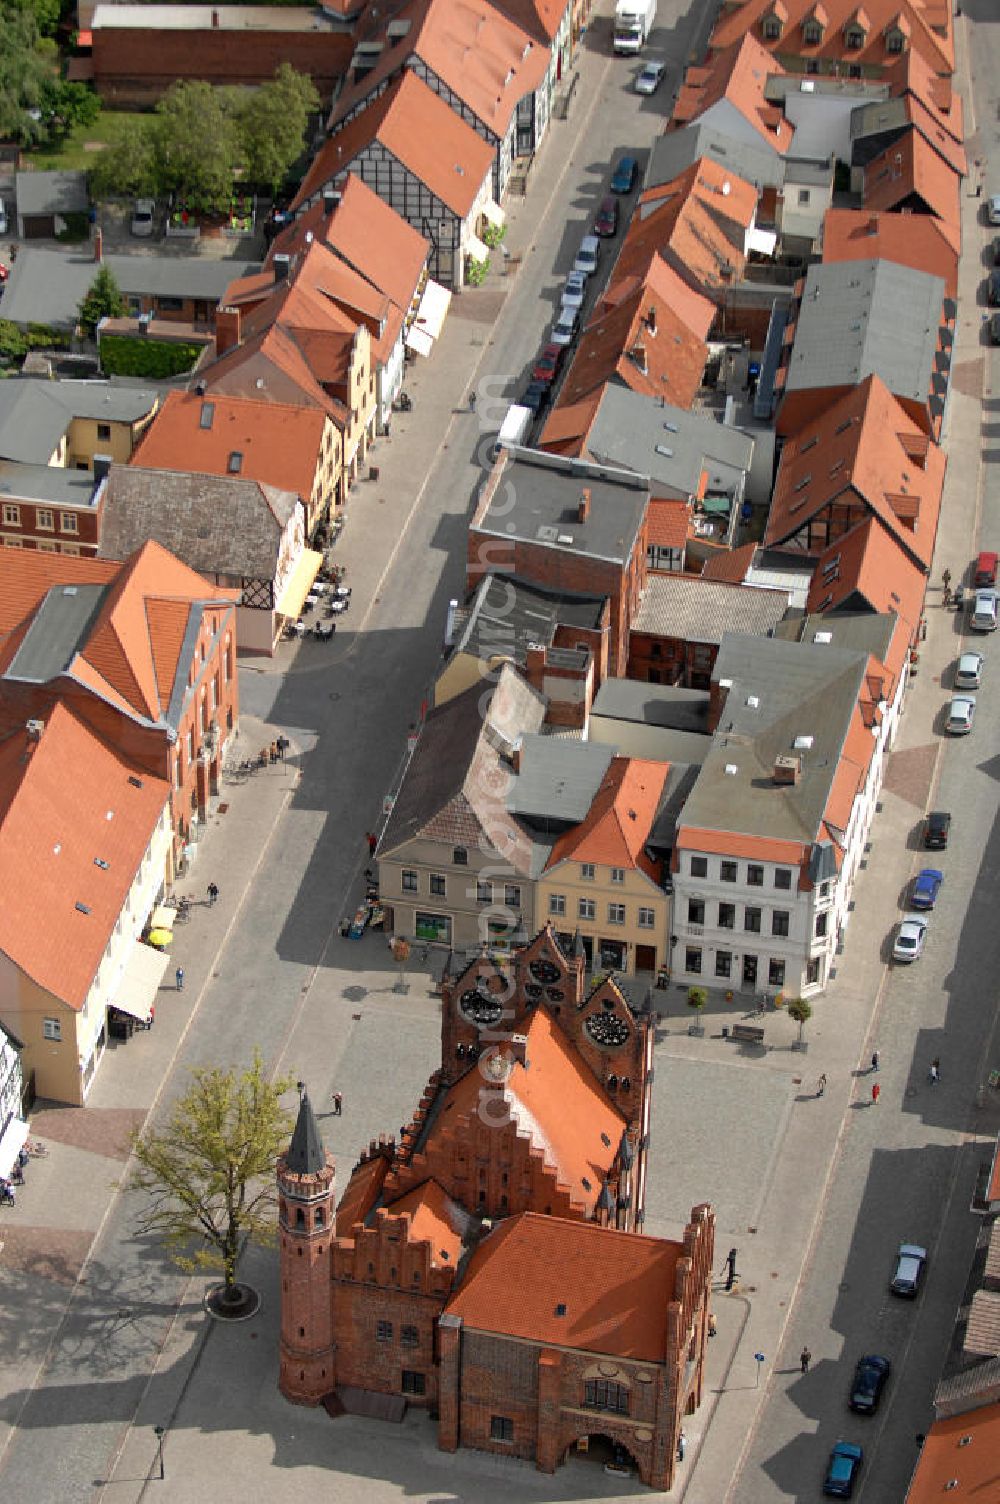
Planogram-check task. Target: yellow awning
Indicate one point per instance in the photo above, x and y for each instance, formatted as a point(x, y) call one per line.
point(299, 582)
point(140, 981)
point(493, 213)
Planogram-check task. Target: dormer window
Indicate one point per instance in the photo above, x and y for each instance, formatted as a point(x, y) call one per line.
point(854, 38)
point(894, 40)
point(812, 33)
point(771, 28)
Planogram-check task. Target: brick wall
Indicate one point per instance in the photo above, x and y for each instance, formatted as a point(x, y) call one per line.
point(134, 68)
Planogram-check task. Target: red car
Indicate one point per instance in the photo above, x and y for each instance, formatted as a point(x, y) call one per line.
point(548, 364)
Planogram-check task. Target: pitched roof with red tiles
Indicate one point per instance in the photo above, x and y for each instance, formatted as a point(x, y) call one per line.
point(568, 425)
point(619, 820)
point(667, 522)
point(739, 75)
point(645, 266)
point(684, 221)
point(865, 454)
point(361, 1192)
point(732, 843)
point(437, 1219)
point(366, 233)
point(867, 568)
point(414, 125)
point(935, 42)
point(540, 18)
point(482, 56)
point(910, 168)
point(280, 444)
point(76, 817)
point(640, 340)
point(958, 1459)
point(730, 565)
point(577, 1285)
point(557, 1103)
point(927, 122)
point(912, 74)
point(917, 240)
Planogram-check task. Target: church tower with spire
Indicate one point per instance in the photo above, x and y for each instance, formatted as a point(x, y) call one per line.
point(306, 1230)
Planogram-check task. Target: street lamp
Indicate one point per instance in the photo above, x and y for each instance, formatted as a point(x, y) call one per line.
point(158, 1433)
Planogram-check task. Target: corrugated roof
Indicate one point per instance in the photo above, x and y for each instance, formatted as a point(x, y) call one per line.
point(694, 609)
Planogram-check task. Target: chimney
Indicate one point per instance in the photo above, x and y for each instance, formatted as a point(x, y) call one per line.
point(282, 266)
point(34, 728)
point(102, 467)
point(583, 510)
point(517, 1049)
point(515, 756)
point(215, 19)
point(228, 332)
point(98, 244)
point(787, 770)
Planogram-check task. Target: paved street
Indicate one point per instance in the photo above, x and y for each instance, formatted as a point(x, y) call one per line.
point(104, 1339)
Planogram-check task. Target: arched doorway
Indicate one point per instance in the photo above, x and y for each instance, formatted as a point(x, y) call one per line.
point(601, 1450)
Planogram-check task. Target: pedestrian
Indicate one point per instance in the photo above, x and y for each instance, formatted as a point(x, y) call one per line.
point(282, 744)
point(821, 1085)
point(875, 1060)
point(713, 1325)
point(338, 1103)
point(273, 753)
point(681, 1445)
point(179, 978)
point(876, 1093)
point(213, 894)
point(372, 840)
point(152, 1016)
point(979, 186)
point(923, 629)
point(946, 578)
point(947, 596)
point(472, 402)
point(934, 1073)
point(805, 1358)
point(730, 1267)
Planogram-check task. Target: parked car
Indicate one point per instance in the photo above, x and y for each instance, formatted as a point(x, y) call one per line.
point(961, 714)
point(870, 1377)
point(993, 288)
point(4, 224)
point(842, 1470)
point(910, 937)
point(623, 176)
point(983, 611)
point(910, 1263)
point(969, 671)
point(926, 886)
point(536, 394)
point(995, 251)
point(142, 217)
point(937, 828)
point(549, 362)
point(606, 222)
point(588, 255)
point(985, 573)
point(650, 79)
point(993, 328)
point(575, 290)
point(564, 330)
point(993, 210)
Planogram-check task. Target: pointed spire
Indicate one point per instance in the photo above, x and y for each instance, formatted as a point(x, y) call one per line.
point(306, 1155)
point(626, 1153)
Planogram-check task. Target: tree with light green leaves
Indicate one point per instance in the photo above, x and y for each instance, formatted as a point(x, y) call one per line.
point(209, 1170)
point(272, 123)
point(127, 167)
point(195, 146)
point(103, 300)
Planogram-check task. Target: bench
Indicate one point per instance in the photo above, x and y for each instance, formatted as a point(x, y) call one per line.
point(748, 1033)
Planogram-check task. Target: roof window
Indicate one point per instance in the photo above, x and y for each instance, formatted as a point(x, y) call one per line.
point(100, 862)
point(803, 743)
point(82, 908)
point(207, 414)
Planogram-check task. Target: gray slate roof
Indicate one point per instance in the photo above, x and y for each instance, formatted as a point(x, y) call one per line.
point(669, 444)
point(558, 780)
point(652, 704)
point(35, 414)
point(306, 1155)
point(801, 689)
point(47, 286)
point(538, 496)
point(697, 610)
point(506, 614)
point(51, 193)
point(674, 152)
point(216, 524)
point(857, 317)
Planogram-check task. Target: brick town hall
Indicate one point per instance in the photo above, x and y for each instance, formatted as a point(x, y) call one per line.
point(490, 1265)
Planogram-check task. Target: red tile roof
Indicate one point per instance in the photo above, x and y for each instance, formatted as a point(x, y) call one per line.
point(541, 18)
point(730, 565)
point(868, 567)
point(865, 456)
point(577, 1286)
point(619, 820)
point(910, 171)
point(925, 22)
point(435, 1219)
point(738, 74)
point(414, 125)
point(280, 444)
point(731, 843)
point(568, 426)
point(949, 1467)
point(911, 74)
point(917, 240)
point(696, 223)
point(667, 522)
point(361, 1193)
point(76, 817)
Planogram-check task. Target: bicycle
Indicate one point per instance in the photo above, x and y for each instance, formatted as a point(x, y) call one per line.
point(35, 1149)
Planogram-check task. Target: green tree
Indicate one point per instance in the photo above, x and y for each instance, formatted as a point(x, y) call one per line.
point(209, 1171)
point(65, 105)
point(195, 145)
point(800, 1009)
point(104, 300)
point(47, 13)
point(272, 123)
point(26, 62)
point(127, 166)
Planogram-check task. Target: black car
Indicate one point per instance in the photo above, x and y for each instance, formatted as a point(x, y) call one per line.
point(536, 394)
point(870, 1378)
point(936, 830)
point(993, 289)
point(995, 250)
point(993, 328)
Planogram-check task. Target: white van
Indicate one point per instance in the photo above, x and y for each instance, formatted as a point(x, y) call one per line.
point(515, 427)
point(983, 615)
point(588, 254)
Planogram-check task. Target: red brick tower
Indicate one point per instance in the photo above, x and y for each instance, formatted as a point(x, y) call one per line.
point(306, 1231)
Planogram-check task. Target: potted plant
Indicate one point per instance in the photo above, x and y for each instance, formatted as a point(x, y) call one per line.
point(697, 997)
point(730, 994)
point(801, 1010)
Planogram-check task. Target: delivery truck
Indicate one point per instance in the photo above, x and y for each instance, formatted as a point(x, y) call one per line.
point(515, 427)
point(633, 23)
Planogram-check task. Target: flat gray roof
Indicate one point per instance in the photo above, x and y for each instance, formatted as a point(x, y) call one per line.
point(35, 413)
point(54, 483)
point(506, 614)
point(859, 317)
point(202, 18)
point(59, 628)
point(780, 85)
point(537, 499)
point(48, 286)
point(652, 704)
point(697, 610)
point(672, 445)
point(859, 631)
point(50, 193)
point(675, 151)
point(558, 779)
point(879, 115)
point(779, 692)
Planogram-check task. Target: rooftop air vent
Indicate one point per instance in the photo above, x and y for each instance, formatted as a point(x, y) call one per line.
point(731, 769)
point(753, 702)
point(822, 637)
point(803, 743)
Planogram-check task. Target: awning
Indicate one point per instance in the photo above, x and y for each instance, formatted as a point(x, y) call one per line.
point(431, 314)
point(476, 249)
point(763, 241)
point(494, 213)
point(140, 983)
point(162, 917)
point(11, 1143)
point(299, 582)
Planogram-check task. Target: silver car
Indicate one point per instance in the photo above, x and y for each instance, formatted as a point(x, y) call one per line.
point(961, 714)
point(969, 671)
point(909, 943)
point(993, 209)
